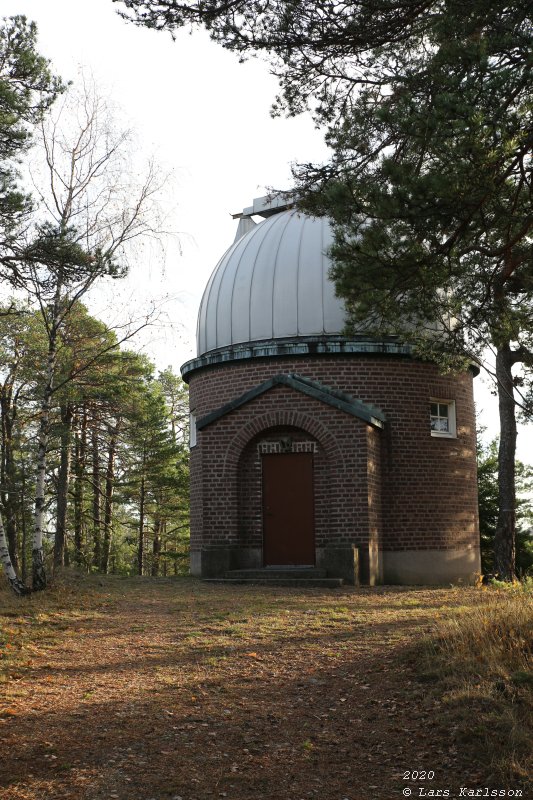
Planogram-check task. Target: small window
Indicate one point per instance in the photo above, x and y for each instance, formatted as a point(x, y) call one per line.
point(192, 430)
point(442, 418)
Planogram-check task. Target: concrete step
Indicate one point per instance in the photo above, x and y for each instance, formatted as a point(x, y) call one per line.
point(273, 572)
point(304, 583)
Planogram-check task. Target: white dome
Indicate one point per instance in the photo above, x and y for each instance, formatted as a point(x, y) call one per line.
point(272, 284)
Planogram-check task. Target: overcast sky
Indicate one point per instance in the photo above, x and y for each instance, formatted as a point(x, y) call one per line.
point(206, 118)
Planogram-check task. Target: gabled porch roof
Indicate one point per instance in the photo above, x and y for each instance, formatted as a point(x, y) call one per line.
point(325, 394)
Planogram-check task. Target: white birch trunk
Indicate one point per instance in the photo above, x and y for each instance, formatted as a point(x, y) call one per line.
point(38, 569)
point(16, 584)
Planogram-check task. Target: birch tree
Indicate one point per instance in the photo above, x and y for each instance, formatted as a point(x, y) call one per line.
point(27, 88)
point(22, 345)
point(91, 214)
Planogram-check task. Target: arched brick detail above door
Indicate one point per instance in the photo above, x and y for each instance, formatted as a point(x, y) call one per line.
point(280, 419)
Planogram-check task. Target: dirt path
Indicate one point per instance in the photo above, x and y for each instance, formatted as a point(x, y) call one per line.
point(174, 689)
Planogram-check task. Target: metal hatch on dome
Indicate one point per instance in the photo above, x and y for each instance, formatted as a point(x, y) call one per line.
point(262, 207)
point(268, 205)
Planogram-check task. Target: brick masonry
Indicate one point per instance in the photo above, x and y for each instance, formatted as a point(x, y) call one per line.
point(396, 489)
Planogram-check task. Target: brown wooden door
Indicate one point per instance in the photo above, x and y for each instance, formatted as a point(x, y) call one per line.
point(288, 509)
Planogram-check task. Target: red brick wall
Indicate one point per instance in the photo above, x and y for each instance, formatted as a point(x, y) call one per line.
point(415, 490)
point(375, 446)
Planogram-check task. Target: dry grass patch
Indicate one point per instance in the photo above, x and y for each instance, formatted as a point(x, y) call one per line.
point(30, 625)
point(484, 656)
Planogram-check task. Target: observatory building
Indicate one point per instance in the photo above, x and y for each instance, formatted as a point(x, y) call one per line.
point(311, 449)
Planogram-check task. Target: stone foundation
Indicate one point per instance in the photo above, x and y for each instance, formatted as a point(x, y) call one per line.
point(431, 567)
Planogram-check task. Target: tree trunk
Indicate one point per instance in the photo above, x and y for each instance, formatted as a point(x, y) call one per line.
point(38, 569)
point(8, 549)
point(67, 415)
point(504, 540)
point(11, 519)
point(156, 547)
point(24, 543)
point(176, 550)
point(16, 584)
point(140, 551)
point(97, 533)
point(108, 499)
point(79, 474)
point(7, 472)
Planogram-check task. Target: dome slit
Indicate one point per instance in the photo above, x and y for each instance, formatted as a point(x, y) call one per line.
point(275, 271)
point(265, 228)
point(246, 240)
point(298, 271)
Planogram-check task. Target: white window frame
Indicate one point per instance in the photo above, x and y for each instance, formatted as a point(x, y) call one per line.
point(451, 433)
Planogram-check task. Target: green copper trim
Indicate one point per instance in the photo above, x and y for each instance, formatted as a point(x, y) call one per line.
point(308, 346)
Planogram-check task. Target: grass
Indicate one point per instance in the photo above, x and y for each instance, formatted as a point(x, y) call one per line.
point(37, 621)
point(482, 659)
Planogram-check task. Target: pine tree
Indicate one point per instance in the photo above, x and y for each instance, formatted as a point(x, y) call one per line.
point(428, 113)
point(27, 89)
